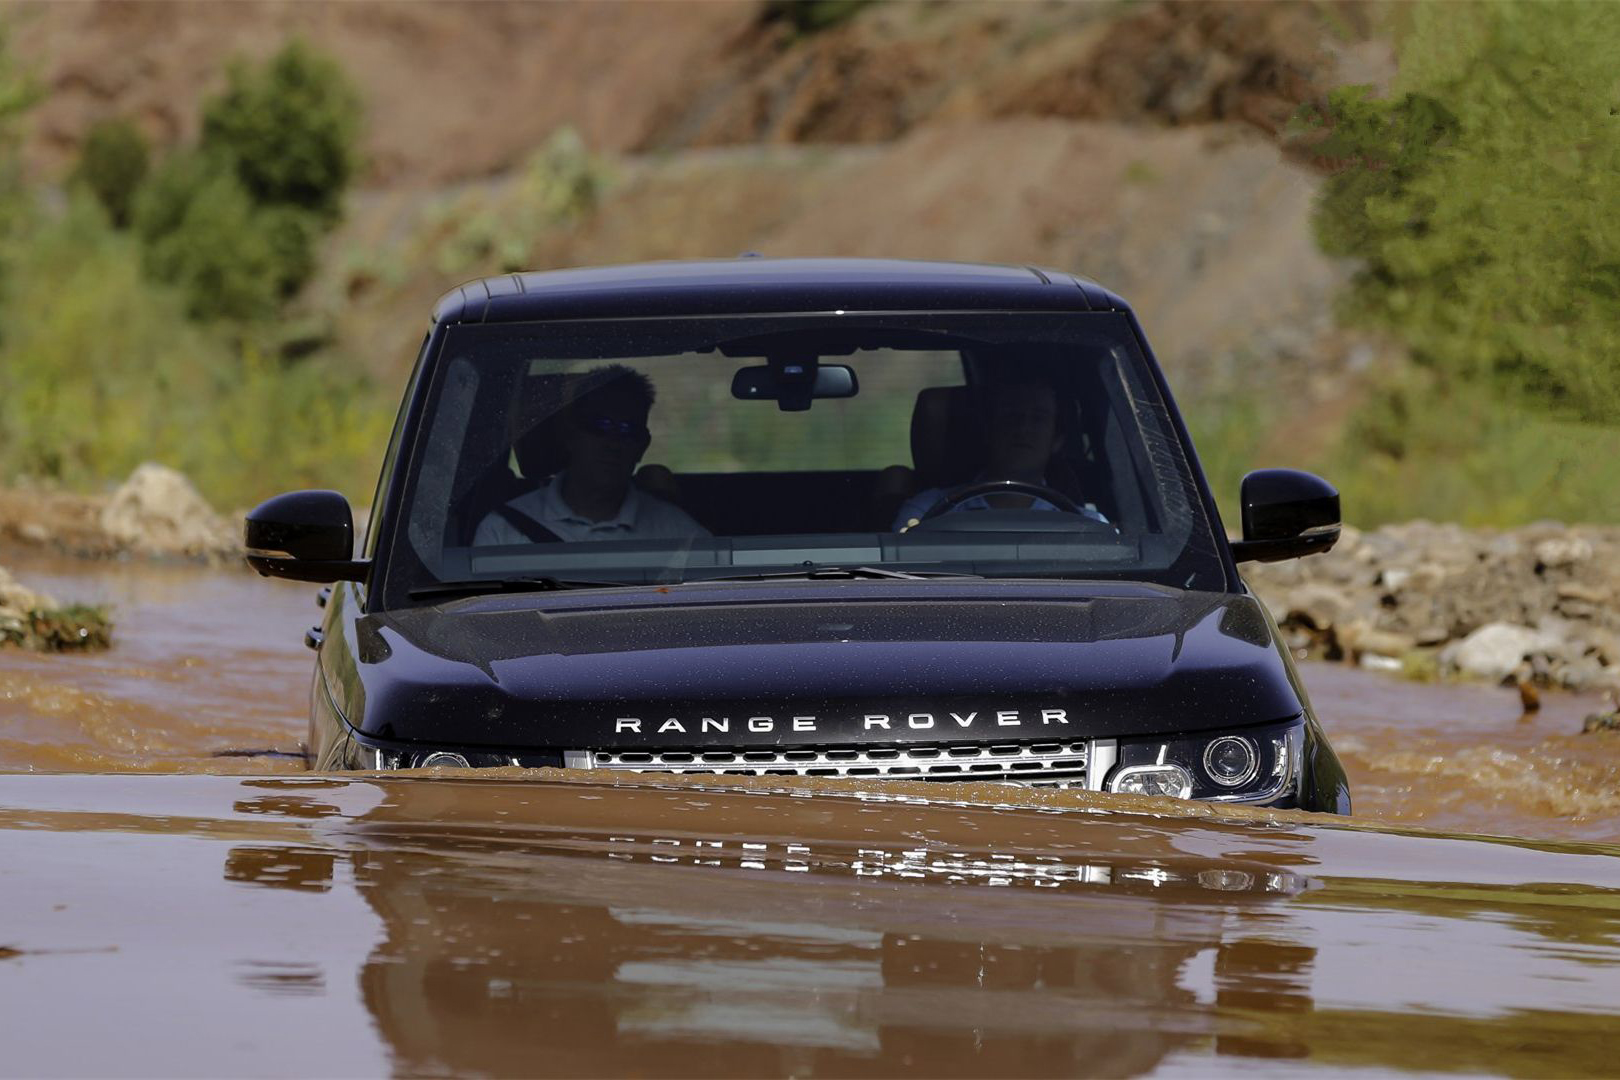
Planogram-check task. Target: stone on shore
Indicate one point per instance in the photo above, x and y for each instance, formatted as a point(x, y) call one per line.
point(158, 512)
point(1548, 594)
point(1494, 651)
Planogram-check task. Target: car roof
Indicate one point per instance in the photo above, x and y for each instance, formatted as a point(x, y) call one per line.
point(750, 284)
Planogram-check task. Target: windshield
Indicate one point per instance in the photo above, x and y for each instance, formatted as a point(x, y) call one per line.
point(663, 451)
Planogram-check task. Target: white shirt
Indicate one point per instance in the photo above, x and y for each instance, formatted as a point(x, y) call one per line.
point(641, 517)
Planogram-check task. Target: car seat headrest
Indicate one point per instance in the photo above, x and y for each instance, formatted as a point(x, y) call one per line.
point(947, 441)
point(538, 423)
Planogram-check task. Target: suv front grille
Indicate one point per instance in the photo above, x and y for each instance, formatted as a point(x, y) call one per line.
point(1044, 764)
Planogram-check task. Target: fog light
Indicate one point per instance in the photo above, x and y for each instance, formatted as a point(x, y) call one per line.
point(443, 757)
point(1231, 760)
point(1171, 781)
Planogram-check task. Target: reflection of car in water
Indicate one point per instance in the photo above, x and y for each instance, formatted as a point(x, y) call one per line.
point(544, 934)
point(812, 517)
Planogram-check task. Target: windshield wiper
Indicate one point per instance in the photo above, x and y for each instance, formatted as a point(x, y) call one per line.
point(840, 573)
point(484, 586)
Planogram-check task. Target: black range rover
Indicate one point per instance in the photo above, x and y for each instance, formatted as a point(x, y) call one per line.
point(819, 517)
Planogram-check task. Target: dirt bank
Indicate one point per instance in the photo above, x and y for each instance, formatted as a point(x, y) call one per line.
point(1538, 604)
point(1205, 229)
point(450, 90)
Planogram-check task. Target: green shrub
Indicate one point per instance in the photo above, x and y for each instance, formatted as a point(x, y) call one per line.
point(561, 183)
point(1481, 201)
point(290, 130)
point(237, 222)
point(217, 250)
point(112, 164)
point(811, 16)
point(233, 258)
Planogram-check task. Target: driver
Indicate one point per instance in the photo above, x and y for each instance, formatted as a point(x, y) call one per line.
point(1024, 434)
point(592, 497)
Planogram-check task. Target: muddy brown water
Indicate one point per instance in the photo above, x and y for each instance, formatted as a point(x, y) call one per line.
point(237, 915)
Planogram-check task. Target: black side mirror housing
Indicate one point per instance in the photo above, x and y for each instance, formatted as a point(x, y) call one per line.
point(1286, 513)
point(304, 536)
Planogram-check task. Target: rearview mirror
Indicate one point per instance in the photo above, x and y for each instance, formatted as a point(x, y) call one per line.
point(1286, 513)
point(304, 536)
point(794, 384)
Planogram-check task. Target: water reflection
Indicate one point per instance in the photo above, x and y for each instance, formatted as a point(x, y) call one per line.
point(1266, 977)
point(511, 978)
point(543, 926)
point(281, 867)
point(555, 949)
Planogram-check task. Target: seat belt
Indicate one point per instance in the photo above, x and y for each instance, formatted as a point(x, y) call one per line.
point(531, 529)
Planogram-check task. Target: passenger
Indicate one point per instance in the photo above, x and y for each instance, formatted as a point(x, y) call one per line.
point(592, 496)
point(1023, 435)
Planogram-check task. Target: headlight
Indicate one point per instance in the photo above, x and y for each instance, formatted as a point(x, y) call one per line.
point(1254, 765)
point(1231, 760)
point(381, 758)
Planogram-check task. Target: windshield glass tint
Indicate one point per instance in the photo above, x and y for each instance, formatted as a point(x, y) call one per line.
point(664, 451)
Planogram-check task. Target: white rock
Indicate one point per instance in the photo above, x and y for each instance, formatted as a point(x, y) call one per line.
point(1563, 551)
point(158, 512)
point(1494, 650)
point(1394, 578)
point(1322, 605)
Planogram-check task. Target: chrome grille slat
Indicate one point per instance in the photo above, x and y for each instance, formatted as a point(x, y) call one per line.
point(1045, 764)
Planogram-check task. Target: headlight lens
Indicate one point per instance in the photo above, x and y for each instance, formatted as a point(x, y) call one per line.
point(1256, 765)
point(442, 757)
point(1231, 760)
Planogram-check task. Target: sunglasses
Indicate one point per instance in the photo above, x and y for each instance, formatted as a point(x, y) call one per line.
point(627, 431)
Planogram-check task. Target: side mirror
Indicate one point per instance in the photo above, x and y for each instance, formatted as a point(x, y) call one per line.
point(1286, 513)
point(305, 536)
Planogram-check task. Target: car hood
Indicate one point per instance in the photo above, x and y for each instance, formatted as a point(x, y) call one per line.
point(815, 663)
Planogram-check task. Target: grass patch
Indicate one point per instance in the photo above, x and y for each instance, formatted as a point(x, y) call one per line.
point(75, 628)
point(103, 371)
point(1420, 448)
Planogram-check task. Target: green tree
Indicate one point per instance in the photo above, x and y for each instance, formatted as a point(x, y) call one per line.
point(236, 222)
point(112, 164)
point(289, 128)
point(203, 233)
point(1482, 199)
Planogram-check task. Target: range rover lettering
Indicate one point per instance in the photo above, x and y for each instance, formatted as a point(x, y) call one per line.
point(824, 517)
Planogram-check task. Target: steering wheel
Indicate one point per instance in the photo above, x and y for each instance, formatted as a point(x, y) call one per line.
point(963, 492)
